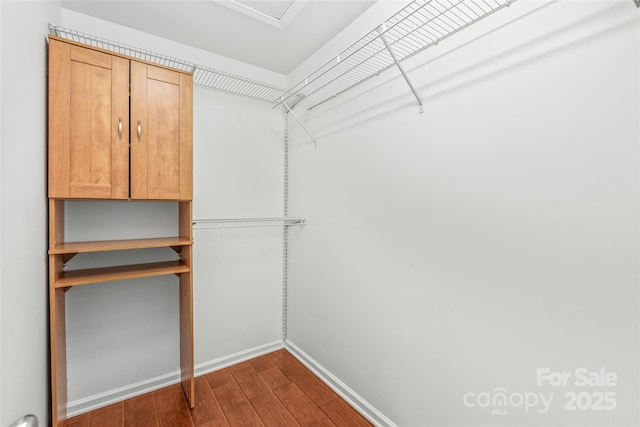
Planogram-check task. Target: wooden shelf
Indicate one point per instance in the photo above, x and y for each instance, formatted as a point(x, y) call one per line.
point(121, 272)
point(117, 245)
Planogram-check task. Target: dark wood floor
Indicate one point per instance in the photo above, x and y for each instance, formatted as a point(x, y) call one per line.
point(271, 390)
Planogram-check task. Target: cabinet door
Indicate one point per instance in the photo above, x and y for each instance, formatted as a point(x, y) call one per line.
point(88, 123)
point(161, 133)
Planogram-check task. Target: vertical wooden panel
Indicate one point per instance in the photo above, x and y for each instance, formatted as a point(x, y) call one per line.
point(162, 163)
point(90, 144)
point(185, 220)
point(186, 137)
point(88, 92)
point(138, 162)
point(120, 145)
point(186, 331)
point(163, 140)
point(58, 345)
point(186, 305)
point(57, 331)
point(59, 118)
point(56, 222)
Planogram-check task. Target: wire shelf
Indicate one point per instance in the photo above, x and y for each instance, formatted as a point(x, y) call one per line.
point(237, 85)
point(202, 76)
point(418, 26)
point(200, 224)
point(120, 48)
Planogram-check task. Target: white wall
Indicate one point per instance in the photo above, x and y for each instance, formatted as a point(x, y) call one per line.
point(121, 34)
point(0, 213)
point(238, 273)
point(23, 268)
point(120, 333)
point(125, 334)
point(459, 250)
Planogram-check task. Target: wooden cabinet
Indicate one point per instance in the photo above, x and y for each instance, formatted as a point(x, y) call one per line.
point(119, 129)
point(161, 116)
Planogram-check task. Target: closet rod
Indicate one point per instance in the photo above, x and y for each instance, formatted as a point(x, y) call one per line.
point(207, 224)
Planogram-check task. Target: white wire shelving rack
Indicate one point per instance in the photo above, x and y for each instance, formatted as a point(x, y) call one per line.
point(418, 26)
point(208, 224)
point(209, 78)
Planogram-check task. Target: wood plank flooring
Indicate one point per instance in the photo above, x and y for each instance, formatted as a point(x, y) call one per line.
point(271, 390)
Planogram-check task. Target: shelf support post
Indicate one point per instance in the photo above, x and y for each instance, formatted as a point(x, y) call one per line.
point(300, 121)
point(404, 74)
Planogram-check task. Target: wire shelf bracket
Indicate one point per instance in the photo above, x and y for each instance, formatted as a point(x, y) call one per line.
point(420, 25)
point(284, 103)
point(381, 30)
point(219, 223)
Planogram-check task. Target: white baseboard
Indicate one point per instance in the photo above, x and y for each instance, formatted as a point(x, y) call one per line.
point(99, 400)
point(241, 356)
point(355, 400)
point(96, 401)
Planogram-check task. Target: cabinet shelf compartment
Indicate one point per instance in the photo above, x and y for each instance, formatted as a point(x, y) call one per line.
point(117, 245)
point(121, 272)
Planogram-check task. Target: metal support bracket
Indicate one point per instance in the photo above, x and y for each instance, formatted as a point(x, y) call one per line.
point(300, 121)
point(637, 2)
point(404, 74)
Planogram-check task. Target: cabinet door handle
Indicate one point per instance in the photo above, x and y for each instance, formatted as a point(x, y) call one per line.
point(120, 128)
point(139, 130)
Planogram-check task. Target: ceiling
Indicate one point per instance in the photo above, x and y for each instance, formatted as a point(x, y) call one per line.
point(276, 35)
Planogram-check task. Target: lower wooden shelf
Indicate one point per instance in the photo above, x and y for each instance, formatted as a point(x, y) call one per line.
point(118, 245)
point(60, 252)
point(120, 272)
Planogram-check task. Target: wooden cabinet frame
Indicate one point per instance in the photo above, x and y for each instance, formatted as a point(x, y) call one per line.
point(119, 128)
point(105, 72)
